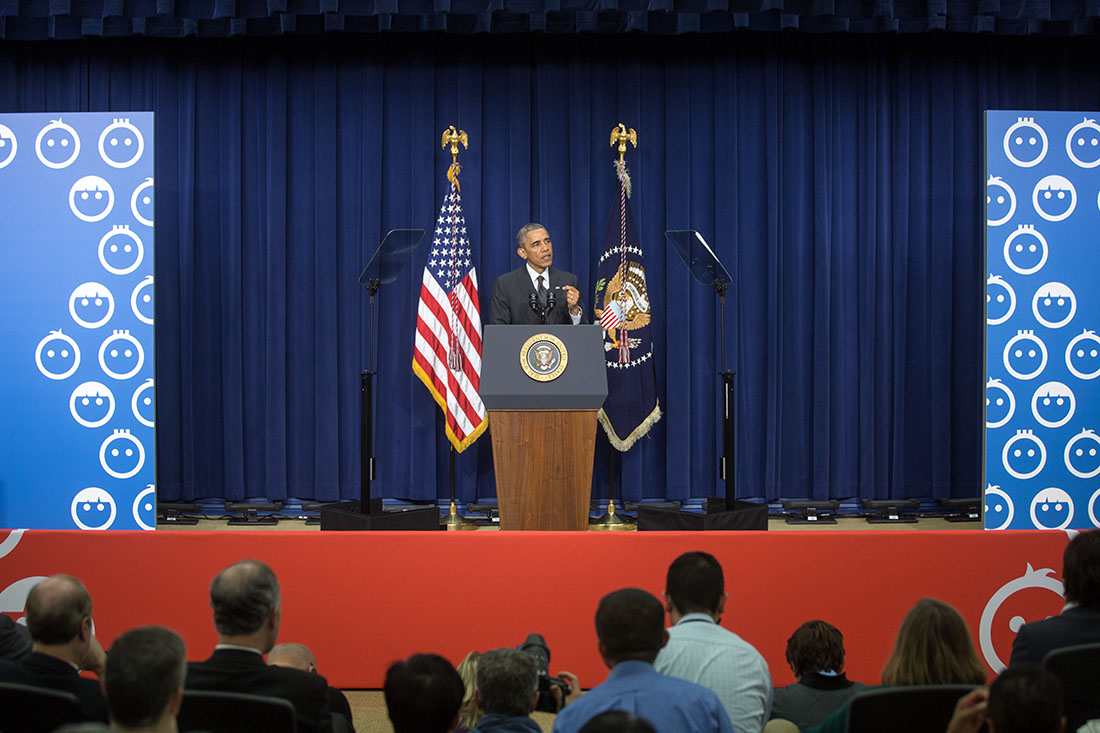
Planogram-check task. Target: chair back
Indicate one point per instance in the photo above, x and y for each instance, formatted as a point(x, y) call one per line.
point(911, 709)
point(235, 712)
point(1078, 669)
point(36, 709)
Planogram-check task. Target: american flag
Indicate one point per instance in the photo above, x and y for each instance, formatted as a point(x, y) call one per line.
point(447, 357)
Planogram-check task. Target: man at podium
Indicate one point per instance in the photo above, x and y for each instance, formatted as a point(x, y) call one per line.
point(535, 292)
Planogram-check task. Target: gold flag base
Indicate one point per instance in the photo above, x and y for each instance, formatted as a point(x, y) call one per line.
point(612, 522)
point(456, 522)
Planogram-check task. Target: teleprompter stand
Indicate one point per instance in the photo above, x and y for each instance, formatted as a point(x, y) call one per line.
point(383, 268)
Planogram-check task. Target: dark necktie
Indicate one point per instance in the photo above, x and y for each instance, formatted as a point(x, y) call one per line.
point(542, 292)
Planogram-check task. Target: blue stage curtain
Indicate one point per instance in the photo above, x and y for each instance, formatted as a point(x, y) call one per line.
point(838, 177)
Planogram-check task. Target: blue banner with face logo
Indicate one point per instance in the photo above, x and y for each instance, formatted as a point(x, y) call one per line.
point(1042, 457)
point(76, 338)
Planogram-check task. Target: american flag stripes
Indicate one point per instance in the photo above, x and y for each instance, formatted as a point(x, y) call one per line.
point(447, 355)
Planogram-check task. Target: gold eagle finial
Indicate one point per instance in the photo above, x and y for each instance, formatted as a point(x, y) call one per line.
point(620, 136)
point(453, 137)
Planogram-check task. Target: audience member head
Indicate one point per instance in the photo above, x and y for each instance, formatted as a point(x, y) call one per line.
point(507, 682)
point(694, 584)
point(815, 646)
point(59, 619)
point(422, 694)
point(143, 682)
point(1025, 699)
point(468, 712)
point(630, 625)
point(246, 603)
point(933, 647)
point(1081, 569)
point(617, 721)
point(293, 656)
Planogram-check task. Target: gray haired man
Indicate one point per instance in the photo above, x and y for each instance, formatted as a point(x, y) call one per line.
point(507, 690)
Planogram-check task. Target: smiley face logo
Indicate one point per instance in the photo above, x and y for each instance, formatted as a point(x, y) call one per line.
point(8, 146)
point(121, 355)
point(1083, 144)
point(1000, 201)
point(92, 404)
point(1083, 454)
point(57, 356)
point(998, 508)
point(141, 300)
point(121, 144)
point(1034, 595)
point(1000, 300)
point(1053, 404)
point(145, 508)
point(1051, 508)
point(1000, 404)
point(1025, 143)
point(1054, 305)
point(121, 250)
point(57, 145)
point(1026, 250)
point(93, 508)
point(1054, 198)
point(91, 305)
point(142, 403)
point(1025, 355)
point(1024, 455)
point(122, 455)
point(1083, 355)
point(141, 202)
point(91, 198)
point(1094, 508)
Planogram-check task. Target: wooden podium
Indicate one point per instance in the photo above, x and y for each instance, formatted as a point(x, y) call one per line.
point(543, 386)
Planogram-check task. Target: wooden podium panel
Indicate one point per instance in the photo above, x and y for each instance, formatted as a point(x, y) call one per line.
point(543, 464)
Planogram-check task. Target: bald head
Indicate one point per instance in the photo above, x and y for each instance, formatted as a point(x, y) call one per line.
point(294, 656)
point(55, 609)
point(243, 597)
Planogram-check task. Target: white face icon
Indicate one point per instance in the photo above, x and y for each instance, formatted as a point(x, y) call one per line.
point(91, 305)
point(1000, 201)
point(121, 144)
point(1053, 404)
point(91, 198)
point(1083, 454)
point(93, 508)
point(143, 405)
point(57, 356)
point(141, 202)
point(1000, 300)
point(998, 508)
point(1025, 143)
point(121, 454)
point(1000, 403)
point(121, 355)
point(1054, 305)
point(57, 145)
point(8, 146)
point(1052, 508)
point(145, 505)
point(121, 250)
point(1032, 596)
point(1054, 198)
point(1026, 250)
point(1083, 355)
point(1025, 355)
point(141, 300)
point(1024, 455)
point(92, 404)
point(1083, 144)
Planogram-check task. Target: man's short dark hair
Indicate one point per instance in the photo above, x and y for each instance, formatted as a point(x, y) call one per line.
point(521, 235)
point(506, 682)
point(630, 623)
point(695, 583)
point(815, 646)
point(1026, 699)
point(144, 668)
point(56, 607)
point(617, 721)
point(1081, 569)
point(422, 694)
point(243, 596)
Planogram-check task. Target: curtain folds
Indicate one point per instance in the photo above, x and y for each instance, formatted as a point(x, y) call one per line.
point(836, 176)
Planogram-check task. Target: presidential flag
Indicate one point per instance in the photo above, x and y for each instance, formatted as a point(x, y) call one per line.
point(624, 313)
point(448, 326)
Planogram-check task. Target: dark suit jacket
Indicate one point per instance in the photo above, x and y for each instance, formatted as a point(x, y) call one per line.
point(1073, 626)
point(42, 670)
point(512, 298)
point(235, 670)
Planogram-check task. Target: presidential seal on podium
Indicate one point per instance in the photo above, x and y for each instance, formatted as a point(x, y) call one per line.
point(543, 357)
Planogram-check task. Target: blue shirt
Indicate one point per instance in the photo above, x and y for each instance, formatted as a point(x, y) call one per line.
point(670, 705)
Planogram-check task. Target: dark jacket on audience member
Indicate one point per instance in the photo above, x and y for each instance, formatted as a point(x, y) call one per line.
point(42, 670)
point(15, 640)
point(812, 699)
point(237, 670)
point(496, 723)
point(1077, 625)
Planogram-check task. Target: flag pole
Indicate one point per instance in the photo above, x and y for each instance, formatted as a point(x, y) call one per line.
point(455, 521)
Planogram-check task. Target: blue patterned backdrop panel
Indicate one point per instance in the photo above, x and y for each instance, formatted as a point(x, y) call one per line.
point(77, 400)
point(1042, 455)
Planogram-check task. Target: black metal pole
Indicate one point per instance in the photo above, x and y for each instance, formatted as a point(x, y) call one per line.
point(610, 472)
point(452, 473)
point(729, 445)
point(366, 467)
